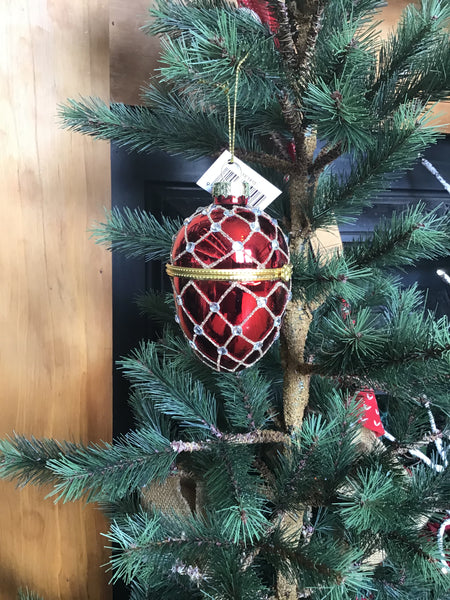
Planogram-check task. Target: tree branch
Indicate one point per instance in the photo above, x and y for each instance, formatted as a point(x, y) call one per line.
point(266, 160)
point(325, 157)
point(280, 144)
point(294, 119)
point(306, 46)
point(284, 36)
point(261, 436)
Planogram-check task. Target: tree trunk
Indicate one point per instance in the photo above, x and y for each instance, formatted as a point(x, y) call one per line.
point(294, 332)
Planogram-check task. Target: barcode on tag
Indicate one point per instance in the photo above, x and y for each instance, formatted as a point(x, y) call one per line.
point(228, 175)
point(262, 192)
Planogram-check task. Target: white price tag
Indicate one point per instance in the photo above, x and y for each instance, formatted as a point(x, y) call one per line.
point(262, 192)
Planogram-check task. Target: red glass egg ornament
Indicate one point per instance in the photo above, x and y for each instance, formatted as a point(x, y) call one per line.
point(231, 280)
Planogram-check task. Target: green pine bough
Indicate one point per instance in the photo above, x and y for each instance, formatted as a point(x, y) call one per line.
point(287, 501)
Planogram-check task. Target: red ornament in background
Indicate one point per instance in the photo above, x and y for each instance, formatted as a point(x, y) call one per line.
point(370, 417)
point(230, 314)
point(367, 401)
point(263, 10)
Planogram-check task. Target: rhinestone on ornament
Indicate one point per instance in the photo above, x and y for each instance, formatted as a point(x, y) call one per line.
point(216, 227)
point(255, 226)
point(237, 330)
point(177, 319)
point(192, 344)
point(261, 302)
point(257, 345)
point(257, 211)
point(198, 330)
point(214, 307)
point(277, 321)
point(179, 300)
point(238, 246)
point(275, 245)
point(228, 213)
point(222, 350)
point(190, 246)
point(274, 222)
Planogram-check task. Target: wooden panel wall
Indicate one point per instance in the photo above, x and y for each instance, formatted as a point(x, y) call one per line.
point(134, 55)
point(55, 284)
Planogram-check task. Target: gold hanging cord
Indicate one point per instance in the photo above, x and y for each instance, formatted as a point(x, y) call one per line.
point(232, 123)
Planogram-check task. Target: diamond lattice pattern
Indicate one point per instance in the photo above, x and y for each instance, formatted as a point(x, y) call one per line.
point(230, 325)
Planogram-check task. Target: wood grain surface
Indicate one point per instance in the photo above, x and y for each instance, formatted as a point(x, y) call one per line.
point(55, 285)
point(134, 55)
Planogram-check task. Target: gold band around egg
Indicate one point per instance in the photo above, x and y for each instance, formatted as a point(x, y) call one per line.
point(284, 273)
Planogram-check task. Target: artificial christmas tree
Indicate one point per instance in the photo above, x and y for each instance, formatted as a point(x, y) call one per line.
point(285, 499)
